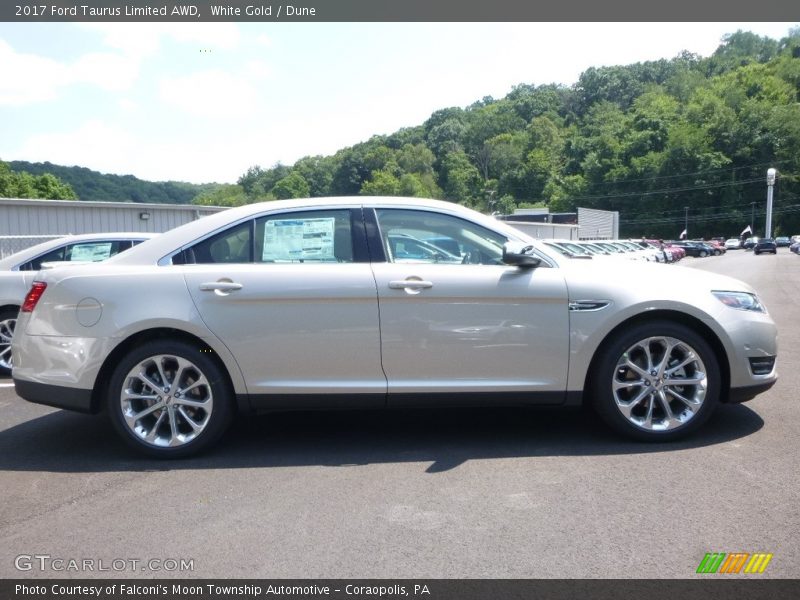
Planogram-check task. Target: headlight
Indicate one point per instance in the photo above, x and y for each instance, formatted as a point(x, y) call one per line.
point(740, 301)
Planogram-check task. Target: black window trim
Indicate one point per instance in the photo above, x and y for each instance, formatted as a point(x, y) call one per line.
point(358, 234)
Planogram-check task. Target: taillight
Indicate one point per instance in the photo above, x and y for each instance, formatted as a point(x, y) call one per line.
point(36, 291)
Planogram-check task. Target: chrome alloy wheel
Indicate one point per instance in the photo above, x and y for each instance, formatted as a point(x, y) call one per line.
point(6, 333)
point(166, 401)
point(659, 383)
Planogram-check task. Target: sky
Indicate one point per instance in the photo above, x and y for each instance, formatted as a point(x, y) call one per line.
point(202, 102)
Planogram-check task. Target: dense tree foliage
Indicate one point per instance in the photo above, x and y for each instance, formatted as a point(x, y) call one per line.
point(655, 140)
point(21, 184)
point(658, 141)
point(91, 185)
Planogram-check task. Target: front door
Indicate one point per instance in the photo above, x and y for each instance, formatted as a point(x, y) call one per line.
point(458, 324)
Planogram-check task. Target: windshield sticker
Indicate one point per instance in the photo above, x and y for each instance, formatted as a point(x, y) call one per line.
point(91, 252)
point(299, 239)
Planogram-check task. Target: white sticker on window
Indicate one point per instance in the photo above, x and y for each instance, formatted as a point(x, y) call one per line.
point(299, 239)
point(91, 252)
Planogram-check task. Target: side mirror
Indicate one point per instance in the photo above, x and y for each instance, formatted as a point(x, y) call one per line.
point(520, 255)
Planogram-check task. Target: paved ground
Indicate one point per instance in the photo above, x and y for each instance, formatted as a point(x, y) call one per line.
point(508, 493)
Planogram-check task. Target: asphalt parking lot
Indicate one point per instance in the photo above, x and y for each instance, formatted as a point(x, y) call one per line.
point(416, 494)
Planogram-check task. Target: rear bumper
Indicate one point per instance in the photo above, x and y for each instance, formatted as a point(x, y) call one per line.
point(55, 395)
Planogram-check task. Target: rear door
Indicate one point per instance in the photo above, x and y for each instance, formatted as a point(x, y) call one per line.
point(293, 297)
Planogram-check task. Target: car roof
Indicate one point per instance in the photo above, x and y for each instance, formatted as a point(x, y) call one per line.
point(18, 258)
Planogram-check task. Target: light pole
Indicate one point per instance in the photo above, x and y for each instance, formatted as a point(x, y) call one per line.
point(770, 182)
point(752, 218)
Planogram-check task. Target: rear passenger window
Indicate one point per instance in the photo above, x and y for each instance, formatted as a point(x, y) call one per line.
point(92, 251)
point(295, 237)
point(310, 236)
point(81, 251)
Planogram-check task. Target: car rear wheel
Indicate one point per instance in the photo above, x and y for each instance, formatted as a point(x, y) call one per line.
point(8, 320)
point(656, 381)
point(703, 254)
point(169, 399)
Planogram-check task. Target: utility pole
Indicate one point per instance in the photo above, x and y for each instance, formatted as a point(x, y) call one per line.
point(770, 182)
point(686, 221)
point(752, 218)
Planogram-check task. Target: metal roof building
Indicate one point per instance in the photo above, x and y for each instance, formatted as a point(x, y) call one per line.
point(24, 222)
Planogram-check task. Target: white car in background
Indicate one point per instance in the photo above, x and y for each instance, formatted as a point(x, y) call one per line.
point(316, 304)
point(733, 244)
point(18, 271)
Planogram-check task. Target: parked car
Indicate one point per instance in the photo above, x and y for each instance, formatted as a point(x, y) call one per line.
point(677, 252)
point(695, 249)
point(795, 247)
point(301, 304)
point(783, 242)
point(18, 271)
point(717, 247)
point(750, 242)
point(765, 245)
point(733, 244)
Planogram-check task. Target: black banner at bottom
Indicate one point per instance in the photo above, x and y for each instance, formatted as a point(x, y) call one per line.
point(422, 589)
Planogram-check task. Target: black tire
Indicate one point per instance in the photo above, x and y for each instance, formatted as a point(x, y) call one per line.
point(703, 254)
point(607, 370)
point(756, 252)
point(5, 341)
point(213, 416)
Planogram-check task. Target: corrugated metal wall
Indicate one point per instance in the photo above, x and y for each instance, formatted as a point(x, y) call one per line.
point(598, 224)
point(546, 231)
point(59, 217)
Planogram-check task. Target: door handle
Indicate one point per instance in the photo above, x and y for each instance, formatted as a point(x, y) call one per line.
point(410, 284)
point(220, 286)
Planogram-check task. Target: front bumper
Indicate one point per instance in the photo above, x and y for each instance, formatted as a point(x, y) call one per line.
point(743, 394)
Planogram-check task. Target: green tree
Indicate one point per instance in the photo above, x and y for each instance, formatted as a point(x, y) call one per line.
point(293, 185)
point(382, 183)
point(224, 195)
point(24, 185)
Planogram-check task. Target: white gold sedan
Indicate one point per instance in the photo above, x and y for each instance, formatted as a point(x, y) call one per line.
point(329, 303)
point(18, 271)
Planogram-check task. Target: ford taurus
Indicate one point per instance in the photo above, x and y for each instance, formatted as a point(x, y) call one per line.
point(380, 303)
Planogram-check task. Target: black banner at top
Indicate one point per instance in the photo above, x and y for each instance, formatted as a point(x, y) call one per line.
point(397, 10)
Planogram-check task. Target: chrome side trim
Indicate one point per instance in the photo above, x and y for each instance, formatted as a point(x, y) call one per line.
point(589, 305)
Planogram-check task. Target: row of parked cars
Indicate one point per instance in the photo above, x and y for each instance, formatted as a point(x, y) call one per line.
point(762, 245)
point(647, 250)
point(359, 302)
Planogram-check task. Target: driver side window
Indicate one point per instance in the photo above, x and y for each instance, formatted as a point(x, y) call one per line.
point(418, 236)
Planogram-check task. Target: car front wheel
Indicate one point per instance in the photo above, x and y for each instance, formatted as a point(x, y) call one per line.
point(8, 320)
point(169, 399)
point(656, 381)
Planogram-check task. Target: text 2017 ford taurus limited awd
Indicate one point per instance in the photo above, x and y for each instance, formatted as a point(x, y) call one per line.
point(329, 303)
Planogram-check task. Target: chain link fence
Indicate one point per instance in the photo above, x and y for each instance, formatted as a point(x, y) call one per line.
point(11, 244)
